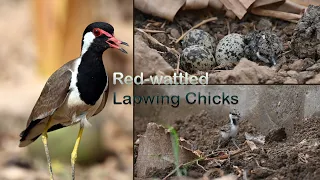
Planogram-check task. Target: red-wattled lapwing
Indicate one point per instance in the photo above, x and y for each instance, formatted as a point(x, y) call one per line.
point(230, 131)
point(75, 92)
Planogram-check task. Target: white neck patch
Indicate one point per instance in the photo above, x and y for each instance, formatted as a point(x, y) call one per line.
point(230, 118)
point(87, 40)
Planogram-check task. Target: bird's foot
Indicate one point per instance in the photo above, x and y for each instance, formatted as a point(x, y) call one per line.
point(234, 142)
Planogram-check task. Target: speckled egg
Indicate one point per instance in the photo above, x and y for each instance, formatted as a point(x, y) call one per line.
point(195, 58)
point(199, 37)
point(230, 49)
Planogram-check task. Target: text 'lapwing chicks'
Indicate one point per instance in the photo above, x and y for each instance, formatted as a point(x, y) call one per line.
point(75, 92)
point(229, 131)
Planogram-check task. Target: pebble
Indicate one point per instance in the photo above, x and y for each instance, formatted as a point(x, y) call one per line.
point(175, 33)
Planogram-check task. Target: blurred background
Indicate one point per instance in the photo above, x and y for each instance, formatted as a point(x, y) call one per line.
point(39, 36)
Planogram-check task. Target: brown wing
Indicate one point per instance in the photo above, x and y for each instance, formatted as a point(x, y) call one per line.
point(53, 94)
point(104, 100)
point(52, 97)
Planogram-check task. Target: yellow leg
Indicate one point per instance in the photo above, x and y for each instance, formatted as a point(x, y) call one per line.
point(74, 152)
point(45, 143)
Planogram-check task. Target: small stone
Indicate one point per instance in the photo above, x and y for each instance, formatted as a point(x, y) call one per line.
point(315, 67)
point(161, 37)
point(290, 80)
point(264, 24)
point(285, 67)
point(305, 75)
point(301, 64)
point(314, 80)
point(292, 73)
point(175, 33)
point(279, 79)
point(168, 30)
point(245, 72)
point(282, 73)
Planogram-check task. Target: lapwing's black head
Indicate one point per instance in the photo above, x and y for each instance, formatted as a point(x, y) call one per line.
point(99, 36)
point(234, 116)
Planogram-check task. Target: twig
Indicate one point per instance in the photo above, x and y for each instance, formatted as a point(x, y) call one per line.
point(229, 160)
point(226, 156)
point(276, 14)
point(175, 52)
point(201, 166)
point(187, 163)
point(164, 23)
point(178, 167)
point(201, 159)
point(178, 64)
point(172, 39)
point(151, 21)
point(196, 26)
point(238, 170)
point(286, 52)
point(152, 31)
point(147, 25)
point(293, 21)
point(180, 70)
point(181, 29)
point(268, 169)
point(228, 26)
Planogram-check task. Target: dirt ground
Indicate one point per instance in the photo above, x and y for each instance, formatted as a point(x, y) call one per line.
point(297, 64)
point(288, 152)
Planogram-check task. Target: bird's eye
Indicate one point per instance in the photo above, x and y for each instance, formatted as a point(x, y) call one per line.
point(96, 32)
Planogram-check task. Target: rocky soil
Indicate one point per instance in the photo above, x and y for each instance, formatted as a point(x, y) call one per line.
point(288, 150)
point(299, 63)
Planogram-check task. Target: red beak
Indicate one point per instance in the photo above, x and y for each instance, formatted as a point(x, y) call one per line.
point(114, 42)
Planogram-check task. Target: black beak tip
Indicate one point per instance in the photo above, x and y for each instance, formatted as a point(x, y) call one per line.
point(124, 43)
point(124, 51)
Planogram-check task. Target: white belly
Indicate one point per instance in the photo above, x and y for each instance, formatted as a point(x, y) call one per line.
point(233, 131)
point(74, 111)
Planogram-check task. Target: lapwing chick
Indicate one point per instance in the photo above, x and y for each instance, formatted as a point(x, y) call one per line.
point(75, 92)
point(263, 46)
point(229, 131)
